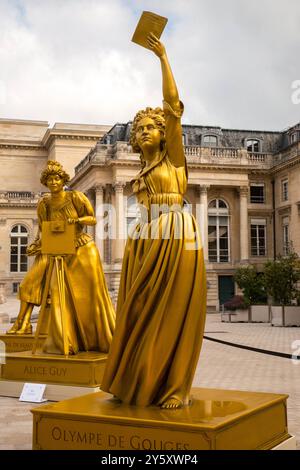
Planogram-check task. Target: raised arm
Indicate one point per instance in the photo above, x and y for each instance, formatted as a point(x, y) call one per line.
point(172, 105)
point(170, 92)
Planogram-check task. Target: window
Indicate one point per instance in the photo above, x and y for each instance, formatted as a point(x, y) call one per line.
point(183, 139)
point(18, 246)
point(132, 214)
point(210, 141)
point(218, 231)
point(258, 237)
point(15, 287)
point(294, 137)
point(285, 190)
point(257, 193)
point(187, 207)
point(285, 236)
point(253, 145)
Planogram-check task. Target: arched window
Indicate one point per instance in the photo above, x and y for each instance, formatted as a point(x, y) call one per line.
point(18, 246)
point(210, 141)
point(253, 145)
point(218, 231)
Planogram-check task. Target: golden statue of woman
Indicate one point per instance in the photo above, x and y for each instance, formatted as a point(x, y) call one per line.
point(162, 297)
point(92, 327)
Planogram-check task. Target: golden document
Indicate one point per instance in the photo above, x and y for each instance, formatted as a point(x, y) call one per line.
point(149, 23)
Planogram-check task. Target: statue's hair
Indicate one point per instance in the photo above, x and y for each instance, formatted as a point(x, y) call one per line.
point(158, 117)
point(54, 168)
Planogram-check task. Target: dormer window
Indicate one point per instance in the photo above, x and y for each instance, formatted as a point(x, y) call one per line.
point(253, 145)
point(294, 137)
point(210, 141)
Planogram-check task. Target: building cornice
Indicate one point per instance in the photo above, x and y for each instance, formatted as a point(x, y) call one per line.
point(19, 204)
point(17, 145)
point(25, 122)
point(260, 212)
point(286, 164)
point(284, 209)
point(224, 168)
point(53, 134)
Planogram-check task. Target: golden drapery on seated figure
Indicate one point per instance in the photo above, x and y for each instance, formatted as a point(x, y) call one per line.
point(92, 328)
point(162, 296)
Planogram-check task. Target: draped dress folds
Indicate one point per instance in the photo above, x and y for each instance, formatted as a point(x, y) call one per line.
point(91, 329)
point(162, 297)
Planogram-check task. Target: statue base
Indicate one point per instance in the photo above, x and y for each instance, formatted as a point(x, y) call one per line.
point(216, 420)
point(18, 343)
point(53, 392)
point(84, 369)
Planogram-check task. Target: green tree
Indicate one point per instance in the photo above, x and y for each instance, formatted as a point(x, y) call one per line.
point(252, 284)
point(281, 278)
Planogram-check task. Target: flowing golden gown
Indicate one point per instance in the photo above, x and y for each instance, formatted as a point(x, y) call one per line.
point(162, 297)
point(92, 328)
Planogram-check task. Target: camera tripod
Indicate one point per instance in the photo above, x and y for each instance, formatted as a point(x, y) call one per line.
point(58, 268)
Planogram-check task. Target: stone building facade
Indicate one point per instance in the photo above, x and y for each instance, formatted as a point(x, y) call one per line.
point(25, 147)
point(243, 189)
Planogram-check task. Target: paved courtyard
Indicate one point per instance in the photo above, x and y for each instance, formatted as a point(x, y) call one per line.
point(220, 366)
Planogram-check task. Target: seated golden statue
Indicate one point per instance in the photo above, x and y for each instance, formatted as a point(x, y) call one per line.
point(162, 297)
point(92, 326)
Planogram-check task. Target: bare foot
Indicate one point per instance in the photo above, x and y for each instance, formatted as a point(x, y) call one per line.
point(116, 399)
point(172, 404)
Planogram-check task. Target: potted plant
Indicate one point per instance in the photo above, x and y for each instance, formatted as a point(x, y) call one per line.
point(281, 278)
point(236, 310)
point(252, 284)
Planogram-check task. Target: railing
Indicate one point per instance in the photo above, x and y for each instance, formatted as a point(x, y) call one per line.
point(99, 152)
point(227, 155)
point(293, 152)
point(224, 152)
point(215, 152)
point(194, 153)
point(19, 195)
point(85, 161)
point(258, 157)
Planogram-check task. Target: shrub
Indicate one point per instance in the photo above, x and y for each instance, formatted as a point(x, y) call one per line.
point(252, 284)
point(281, 277)
point(236, 303)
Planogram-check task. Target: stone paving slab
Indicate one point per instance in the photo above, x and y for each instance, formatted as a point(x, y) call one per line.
point(220, 366)
point(257, 335)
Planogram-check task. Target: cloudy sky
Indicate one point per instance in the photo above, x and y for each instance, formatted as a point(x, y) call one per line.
point(72, 60)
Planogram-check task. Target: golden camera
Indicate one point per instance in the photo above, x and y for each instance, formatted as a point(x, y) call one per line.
point(58, 238)
point(57, 226)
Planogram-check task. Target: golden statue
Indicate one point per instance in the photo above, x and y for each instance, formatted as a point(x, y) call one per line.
point(162, 297)
point(92, 326)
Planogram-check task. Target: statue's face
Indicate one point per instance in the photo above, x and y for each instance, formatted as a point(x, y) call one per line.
point(148, 136)
point(55, 183)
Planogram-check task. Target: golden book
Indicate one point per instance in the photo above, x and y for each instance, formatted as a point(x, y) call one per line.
point(149, 23)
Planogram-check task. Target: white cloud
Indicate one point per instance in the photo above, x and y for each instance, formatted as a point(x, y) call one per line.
point(73, 61)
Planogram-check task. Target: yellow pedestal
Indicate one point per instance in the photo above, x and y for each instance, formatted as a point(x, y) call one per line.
point(83, 369)
point(18, 343)
point(217, 419)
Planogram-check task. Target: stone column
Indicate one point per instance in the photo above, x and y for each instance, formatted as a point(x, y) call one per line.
point(244, 238)
point(120, 222)
point(90, 229)
point(2, 293)
point(203, 217)
point(99, 213)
